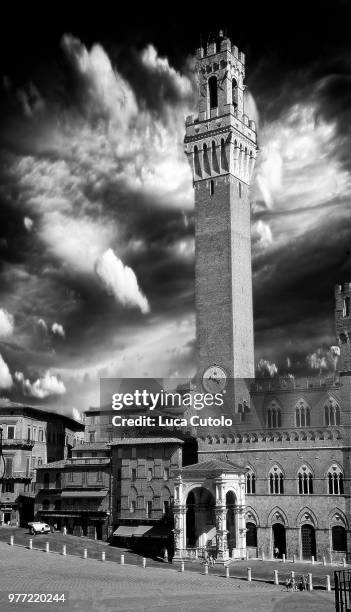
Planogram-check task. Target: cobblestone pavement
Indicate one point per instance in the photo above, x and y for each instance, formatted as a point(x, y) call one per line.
point(91, 586)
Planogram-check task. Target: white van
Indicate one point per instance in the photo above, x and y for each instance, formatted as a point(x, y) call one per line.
point(35, 528)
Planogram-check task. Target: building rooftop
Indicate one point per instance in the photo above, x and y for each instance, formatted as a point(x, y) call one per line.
point(40, 412)
point(93, 446)
point(133, 441)
point(213, 465)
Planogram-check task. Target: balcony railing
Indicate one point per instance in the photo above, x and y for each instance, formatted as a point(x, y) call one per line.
point(18, 442)
point(18, 474)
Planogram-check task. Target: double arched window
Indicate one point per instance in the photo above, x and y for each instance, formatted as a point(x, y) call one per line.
point(276, 481)
point(274, 417)
point(250, 481)
point(302, 414)
point(332, 413)
point(305, 480)
point(335, 481)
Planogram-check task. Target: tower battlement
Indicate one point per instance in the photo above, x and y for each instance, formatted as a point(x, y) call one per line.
point(221, 139)
point(222, 44)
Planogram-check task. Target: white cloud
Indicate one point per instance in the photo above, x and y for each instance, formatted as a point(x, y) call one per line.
point(28, 223)
point(324, 359)
point(266, 367)
point(42, 325)
point(6, 381)
point(6, 323)
point(44, 386)
point(58, 329)
point(120, 280)
point(263, 232)
point(317, 360)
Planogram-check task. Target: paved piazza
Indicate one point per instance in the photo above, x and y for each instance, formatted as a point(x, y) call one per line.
point(91, 585)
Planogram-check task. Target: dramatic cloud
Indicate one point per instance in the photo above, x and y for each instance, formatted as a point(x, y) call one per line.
point(98, 222)
point(6, 324)
point(6, 381)
point(121, 281)
point(42, 387)
point(58, 330)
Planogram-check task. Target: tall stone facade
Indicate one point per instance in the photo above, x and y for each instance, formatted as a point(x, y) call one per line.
point(220, 144)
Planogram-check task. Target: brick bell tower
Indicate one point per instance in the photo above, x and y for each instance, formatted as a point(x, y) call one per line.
point(221, 148)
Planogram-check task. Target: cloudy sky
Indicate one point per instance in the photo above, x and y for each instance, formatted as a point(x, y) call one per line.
point(96, 204)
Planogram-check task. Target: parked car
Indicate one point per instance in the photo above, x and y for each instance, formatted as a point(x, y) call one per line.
point(36, 528)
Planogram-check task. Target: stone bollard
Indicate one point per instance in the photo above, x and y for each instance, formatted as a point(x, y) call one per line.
point(122, 559)
point(292, 575)
point(294, 558)
point(327, 583)
point(249, 574)
point(324, 561)
point(64, 550)
point(263, 558)
point(284, 558)
point(144, 562)
point(344, 562)
point(12, 539)
point(312, 560)
point(310, 584)
point(206, 569)
point(103, 556)
point(30, 544)
point(47, 547)
point(276, 579)
point(85, 553)
point(227, 571)
point(181, 567)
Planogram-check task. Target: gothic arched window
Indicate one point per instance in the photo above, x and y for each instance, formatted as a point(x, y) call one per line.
point(224, 162)
point(212, 90)
point(250, 481)
point(339, 538)
point(332, 413)
point(234, 94)
point(197, 165)
point(346, 308)
point(302, 414)
point(335, 481)
point(215, 166)
point(305, 480)
point(274, 417)
point(276, 481)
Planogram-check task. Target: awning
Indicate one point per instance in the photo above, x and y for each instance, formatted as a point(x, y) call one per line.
point(141, 530)
point(158, 531)
point(124, 531)
point(84, 493)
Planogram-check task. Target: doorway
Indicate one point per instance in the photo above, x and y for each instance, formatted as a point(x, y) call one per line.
point(279, 539)
point(308, 541)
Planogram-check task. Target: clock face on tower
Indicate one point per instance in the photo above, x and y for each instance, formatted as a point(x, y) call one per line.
point(214, 379)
